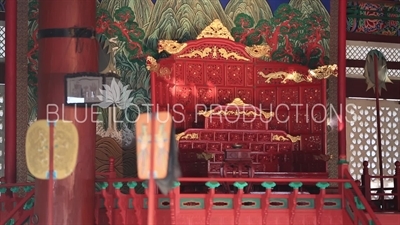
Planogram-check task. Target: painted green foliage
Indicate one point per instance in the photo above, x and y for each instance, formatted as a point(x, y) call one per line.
point(123, 26)
point(33, 56)
point(130, 60)
point(292, 36)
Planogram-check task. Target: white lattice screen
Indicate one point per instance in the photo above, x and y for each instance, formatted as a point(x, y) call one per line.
point(1, 130)
point(362, 137)
point(358, 50)
point(2, 41)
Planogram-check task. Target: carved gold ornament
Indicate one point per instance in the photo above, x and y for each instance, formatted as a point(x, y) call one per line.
point(215, 51)
point(204, 155)
point(258, 51)
point(286, 138)
point(294, 76)
point(216, 30)
point(324, 72)
point(202, 53)
point(238, 102)
point(323, 157)
point(235, 113)
point(233, 55)
point(235, 102)
point(184, 136)
point(151, 64)
point(170, 46)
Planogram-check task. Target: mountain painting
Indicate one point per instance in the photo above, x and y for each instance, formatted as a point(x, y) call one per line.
point(296, 30)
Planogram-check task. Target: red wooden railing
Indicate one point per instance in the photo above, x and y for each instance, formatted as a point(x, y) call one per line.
point(360, 204)
point(121, 202)
point(378, 198)
point(16, 203)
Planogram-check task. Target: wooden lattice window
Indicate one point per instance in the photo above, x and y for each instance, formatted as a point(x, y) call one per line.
point(2, 41)
point(362, 137)
point(358, 50)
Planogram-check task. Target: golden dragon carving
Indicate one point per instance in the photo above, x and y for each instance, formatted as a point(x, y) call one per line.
point(226, 55)
point(201, 53)
point(184, 136)
point(286, 138)
point(324, 72)
point(171, 46)
point(285, 76)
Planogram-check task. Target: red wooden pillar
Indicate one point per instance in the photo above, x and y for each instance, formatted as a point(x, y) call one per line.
point(11, 92)
point(342, 84)
point(67, 45)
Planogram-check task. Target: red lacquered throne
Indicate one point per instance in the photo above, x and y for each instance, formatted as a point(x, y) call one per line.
point(208, 82)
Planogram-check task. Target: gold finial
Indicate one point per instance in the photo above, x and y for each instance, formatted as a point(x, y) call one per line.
point(216, 30)
point(238, 102)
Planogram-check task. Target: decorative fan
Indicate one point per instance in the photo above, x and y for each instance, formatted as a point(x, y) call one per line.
point(379, 66)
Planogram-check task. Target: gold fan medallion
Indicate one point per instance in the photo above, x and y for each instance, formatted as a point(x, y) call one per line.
point(65, 151)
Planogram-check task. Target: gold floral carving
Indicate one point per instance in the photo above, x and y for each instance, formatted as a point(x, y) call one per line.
point(324, 72)
point(151, 64)
point(226, 55)
point(295, 76)
point(204, 155)
point(216, 30)
point(286, 138)
point(258, 51)
point(184, 136)
point(171, 46)
point(201, 53)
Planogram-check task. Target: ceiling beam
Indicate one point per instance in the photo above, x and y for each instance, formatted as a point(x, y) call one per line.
point(356, 88)
point(361, 63)
point(372, 37)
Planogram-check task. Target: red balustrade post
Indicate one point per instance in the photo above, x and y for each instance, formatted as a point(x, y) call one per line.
point(397, 183)
point(342, 86)
point(67, 44)
point(366, 181)
point(11, 93)
point(111, 168)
